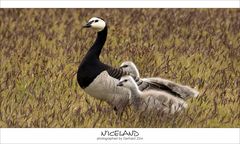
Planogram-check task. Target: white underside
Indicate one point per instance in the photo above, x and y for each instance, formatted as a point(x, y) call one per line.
point(104, 87)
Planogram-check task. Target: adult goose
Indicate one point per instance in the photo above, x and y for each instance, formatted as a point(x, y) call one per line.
point(178, 90)
point(98, 79)
point(151, 100)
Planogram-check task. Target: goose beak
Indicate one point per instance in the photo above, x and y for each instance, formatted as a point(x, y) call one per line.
point(119, 84)
point(88, 25)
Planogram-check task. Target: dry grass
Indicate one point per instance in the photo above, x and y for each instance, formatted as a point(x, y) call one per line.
point(42, 48)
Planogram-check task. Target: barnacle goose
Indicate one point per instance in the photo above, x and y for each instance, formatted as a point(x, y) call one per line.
point(98, 79)
point(184, 92)
point(151, 100)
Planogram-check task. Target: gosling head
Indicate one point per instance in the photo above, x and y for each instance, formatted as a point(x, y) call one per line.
point(127, 81)
point(96, 23)
point(130, 67)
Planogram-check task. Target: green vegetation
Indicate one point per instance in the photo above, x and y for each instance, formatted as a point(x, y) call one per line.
point(42, 48)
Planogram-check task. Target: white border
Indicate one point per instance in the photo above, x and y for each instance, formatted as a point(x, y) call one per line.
point(166, 136)
point(149, 135)
point(120, 4)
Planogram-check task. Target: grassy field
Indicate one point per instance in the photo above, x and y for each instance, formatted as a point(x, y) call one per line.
point(40, 50)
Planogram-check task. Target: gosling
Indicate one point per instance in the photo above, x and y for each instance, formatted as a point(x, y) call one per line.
point(151, 100)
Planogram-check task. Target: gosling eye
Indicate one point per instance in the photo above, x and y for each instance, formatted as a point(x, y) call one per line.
point(96, 21)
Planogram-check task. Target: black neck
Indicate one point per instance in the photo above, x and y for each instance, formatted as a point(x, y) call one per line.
point(96, 49)
point(91, 66)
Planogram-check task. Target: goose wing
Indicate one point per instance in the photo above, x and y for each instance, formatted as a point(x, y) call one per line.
point(148, 85)
point(178, 90)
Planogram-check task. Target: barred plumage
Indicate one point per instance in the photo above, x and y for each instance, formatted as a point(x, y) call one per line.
point(117, 73)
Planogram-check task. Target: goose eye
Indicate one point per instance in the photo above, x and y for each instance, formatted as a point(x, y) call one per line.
point(125, 66)
point(125, 80)
point(96, 21)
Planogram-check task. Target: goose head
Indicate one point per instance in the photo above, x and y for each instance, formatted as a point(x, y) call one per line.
point(127, 82)
point(96, 23)
point(130, 67)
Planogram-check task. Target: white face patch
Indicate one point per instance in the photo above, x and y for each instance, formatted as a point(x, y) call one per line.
point(97, 23)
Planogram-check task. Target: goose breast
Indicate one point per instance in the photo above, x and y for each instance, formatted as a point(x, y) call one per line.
point(104, 87)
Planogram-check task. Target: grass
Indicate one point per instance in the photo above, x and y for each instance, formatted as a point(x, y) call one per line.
point(40, 50)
